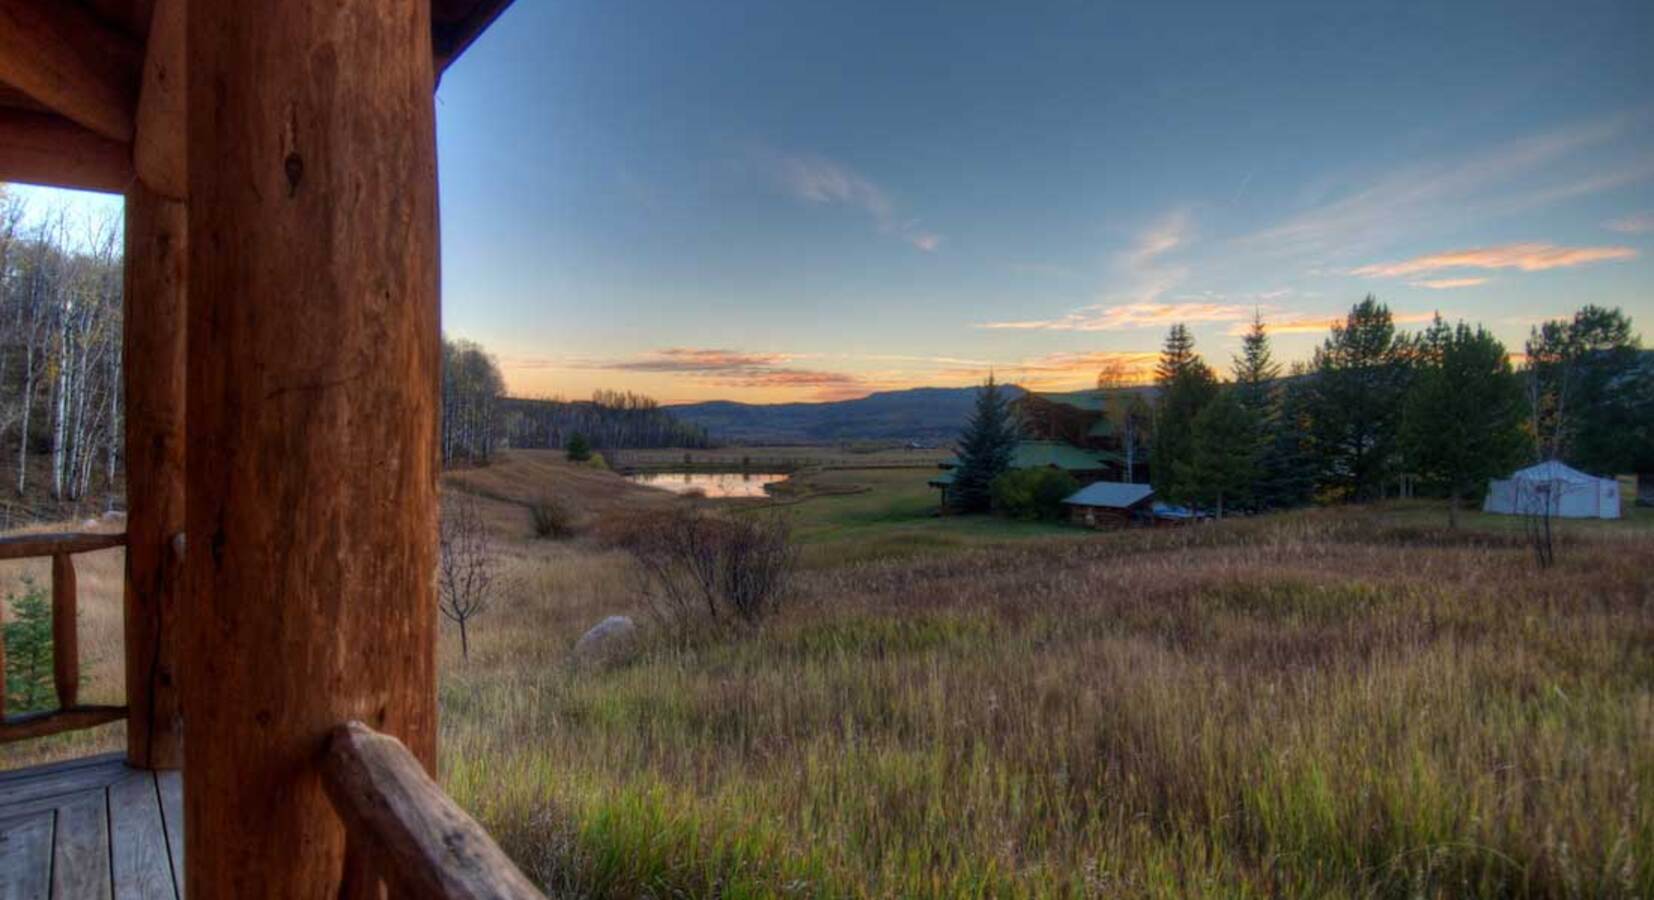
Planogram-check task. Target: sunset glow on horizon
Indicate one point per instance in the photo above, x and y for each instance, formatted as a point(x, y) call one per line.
point(774, 202)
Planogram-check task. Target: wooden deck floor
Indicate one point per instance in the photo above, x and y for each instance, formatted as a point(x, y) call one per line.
point(91, 828)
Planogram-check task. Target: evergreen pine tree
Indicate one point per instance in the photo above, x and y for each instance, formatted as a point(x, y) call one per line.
point(1258, 391)
point(1223, 457)
point(1354, 401)
point(1176, 355)
point(28, 636)
point(1186, 385)
point(1287, 478)
point(985, 449)
point(1255, 370)
point(579, 449)
point(1464, 415)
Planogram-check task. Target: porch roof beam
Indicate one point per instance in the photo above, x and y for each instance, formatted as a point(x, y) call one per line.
point(66, 59)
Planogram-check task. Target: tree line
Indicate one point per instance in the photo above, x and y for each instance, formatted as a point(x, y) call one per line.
point(609, 420)
point(1375, 410)
point(60, 360)
point(1441, 411)
point(478, 418)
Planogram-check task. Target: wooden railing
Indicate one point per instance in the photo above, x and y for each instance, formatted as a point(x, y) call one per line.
point(70, 715)
point(403, 830)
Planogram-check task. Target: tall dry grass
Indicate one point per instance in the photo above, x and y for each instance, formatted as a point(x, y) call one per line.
point(1313, 705)
point(1319, 704)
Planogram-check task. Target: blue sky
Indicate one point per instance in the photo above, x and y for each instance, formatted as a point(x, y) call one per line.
point(774, 201)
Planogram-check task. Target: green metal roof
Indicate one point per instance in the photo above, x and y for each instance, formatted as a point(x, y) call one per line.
point(1038, 454)
point(1089, 400)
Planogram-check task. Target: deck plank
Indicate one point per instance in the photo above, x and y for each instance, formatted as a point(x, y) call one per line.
point(52, 781)
point(81, 851)
point(26, 856)
point(139, 863)
point(171, 785)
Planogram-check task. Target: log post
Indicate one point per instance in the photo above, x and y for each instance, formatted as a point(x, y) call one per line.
point(311, 420)
point(65, 634)
point(153, 359)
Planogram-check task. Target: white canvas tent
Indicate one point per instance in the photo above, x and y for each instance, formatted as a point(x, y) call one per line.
point(1569, 493)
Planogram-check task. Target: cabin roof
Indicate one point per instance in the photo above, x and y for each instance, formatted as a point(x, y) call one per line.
point(1111, 495)
point(1042, 454)
point(1088, 400)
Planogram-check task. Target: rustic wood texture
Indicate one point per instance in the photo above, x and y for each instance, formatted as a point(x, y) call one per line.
point(26, 864)
point(57, 721)
point(139, 864)
point(416, 838)
point(158, 149)
point(153, 348)
point(80, 865)
point(65, 58)
point(109, 831)
point(27, 546)
point(312, 460)
point(65, 632)
point(41, 148)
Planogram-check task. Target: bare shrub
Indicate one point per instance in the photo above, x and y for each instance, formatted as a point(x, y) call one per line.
point(465, 565)
point(550, 518)
point(695, 567)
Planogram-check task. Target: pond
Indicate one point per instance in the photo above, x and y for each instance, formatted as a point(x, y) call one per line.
point(712, 484)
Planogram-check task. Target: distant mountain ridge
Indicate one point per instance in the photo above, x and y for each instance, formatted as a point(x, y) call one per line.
point(932, 415)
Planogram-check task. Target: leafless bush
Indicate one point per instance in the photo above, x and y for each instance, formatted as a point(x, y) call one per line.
point(465, 565)
point(695, 567)
point(550, 518)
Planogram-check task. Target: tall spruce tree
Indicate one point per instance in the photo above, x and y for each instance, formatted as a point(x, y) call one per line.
point(985, 449)
point(1464, 413)
point(1176, 354)
point(1355, 400)
point(1223, 458)
point(1258, 391)
point(1255, 370)
point(1186, 384)
point(1591, 392)
point(1288, 477)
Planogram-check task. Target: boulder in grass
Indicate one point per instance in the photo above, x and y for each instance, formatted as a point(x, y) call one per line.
point(609, 642)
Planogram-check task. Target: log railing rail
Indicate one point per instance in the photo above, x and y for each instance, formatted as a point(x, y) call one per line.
point(70, 714)
point(401, 828)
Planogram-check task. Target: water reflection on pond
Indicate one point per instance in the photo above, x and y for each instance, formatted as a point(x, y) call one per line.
point(712, 484)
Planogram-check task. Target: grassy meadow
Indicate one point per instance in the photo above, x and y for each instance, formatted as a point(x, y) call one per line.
point(1344, 702)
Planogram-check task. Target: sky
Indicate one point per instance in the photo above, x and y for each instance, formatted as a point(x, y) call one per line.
point(770, 202)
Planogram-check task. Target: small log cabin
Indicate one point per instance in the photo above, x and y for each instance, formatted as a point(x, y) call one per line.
point(278, 161)
point(1109, 504)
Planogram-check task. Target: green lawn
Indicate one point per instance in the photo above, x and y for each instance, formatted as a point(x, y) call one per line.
point(851, 515)
point(892, 515)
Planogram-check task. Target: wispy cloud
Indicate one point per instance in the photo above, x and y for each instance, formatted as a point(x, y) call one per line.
point(1305, 323)
point(1447, 284)
point(732, 369)
point(1636, 223)
point(1529, 257)
point(1147, 277)
point(1164, 236)
point(820, 181)
point(1127, 316)
point(1521, 174)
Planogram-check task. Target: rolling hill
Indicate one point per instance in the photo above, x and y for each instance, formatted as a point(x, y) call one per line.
point(927, 415)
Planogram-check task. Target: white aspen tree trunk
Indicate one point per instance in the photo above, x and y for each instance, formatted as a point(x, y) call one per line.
point(28, 407)
point(60, 405)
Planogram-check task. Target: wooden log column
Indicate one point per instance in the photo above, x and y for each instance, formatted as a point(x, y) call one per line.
point(153, 358)
point(312, 413)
